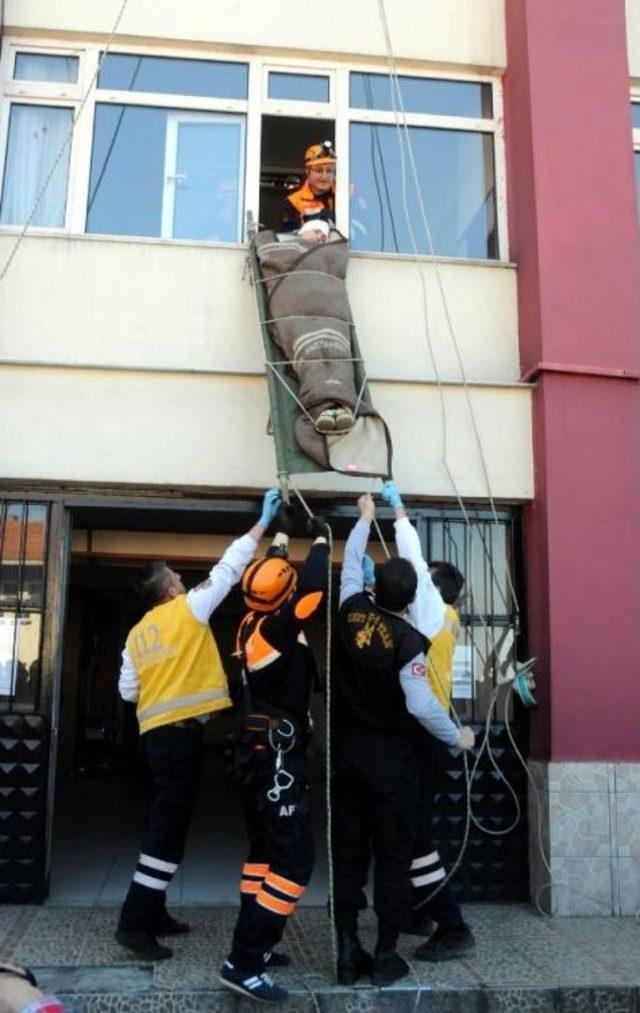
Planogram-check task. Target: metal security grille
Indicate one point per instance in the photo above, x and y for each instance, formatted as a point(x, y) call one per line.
point(23, 729)
point(488, 553)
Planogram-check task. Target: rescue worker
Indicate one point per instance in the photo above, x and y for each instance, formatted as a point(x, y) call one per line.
point(279, 673)
point(381, 701)
point(439, 586)
point(316, 197)
point(172, 670)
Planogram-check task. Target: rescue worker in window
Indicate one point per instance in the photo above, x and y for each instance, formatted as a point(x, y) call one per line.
point(433, 614)
point(172, 670)
point(381, 701)
point(316, 197)
point(279, 673)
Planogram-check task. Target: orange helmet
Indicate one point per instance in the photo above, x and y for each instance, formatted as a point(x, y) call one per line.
point(268, 582)
point(319, 154)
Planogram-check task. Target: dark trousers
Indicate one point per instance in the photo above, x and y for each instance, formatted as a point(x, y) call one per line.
point(427, 869)
point(280, 857)
point(172, 760)
point(376, 796)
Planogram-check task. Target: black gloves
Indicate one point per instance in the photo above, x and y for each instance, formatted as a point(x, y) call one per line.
point(284, 519)
point(317, 527)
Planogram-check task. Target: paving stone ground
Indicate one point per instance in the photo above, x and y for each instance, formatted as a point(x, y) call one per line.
point(522, 962)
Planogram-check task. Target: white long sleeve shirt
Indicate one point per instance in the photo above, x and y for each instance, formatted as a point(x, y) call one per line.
point(202, 600)
point(419, 697)
point(427, 612)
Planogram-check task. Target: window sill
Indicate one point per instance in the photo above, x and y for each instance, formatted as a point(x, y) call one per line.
point(44, 233)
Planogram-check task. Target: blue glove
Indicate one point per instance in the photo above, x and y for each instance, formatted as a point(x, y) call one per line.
point(270, 504)
point(390, 495)
point(368, 570)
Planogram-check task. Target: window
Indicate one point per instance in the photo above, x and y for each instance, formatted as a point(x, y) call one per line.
point(46, 67)
point(37, 136)
point(299, 87)
point(165, 75)
point(164, 172)
point(23, 536)
point(450, 139)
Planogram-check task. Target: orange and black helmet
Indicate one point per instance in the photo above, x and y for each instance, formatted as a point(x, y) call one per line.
point(319, 154)
point(267, 583)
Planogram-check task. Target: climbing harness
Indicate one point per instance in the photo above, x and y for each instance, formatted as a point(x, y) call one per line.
point(282, 739)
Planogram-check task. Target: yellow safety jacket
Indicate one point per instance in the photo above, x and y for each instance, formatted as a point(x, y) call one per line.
point(440, 657)
point(178, 665)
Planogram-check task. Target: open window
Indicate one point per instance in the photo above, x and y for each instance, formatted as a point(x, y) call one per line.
point(284, 142)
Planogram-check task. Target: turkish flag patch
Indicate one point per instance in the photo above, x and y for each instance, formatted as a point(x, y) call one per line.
point(418, 669)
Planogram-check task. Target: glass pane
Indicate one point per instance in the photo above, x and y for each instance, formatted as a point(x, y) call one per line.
point(208, 171)
point(456, 178)
point(128, 190)
point(22, 552)
point(300, 87)
point(211, 78)
point(635, 115)
point(36, 136)
point(422, 95)
point(42, 67)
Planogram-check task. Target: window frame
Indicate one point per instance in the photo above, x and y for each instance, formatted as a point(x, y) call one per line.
point(254, 107)
point(635, 133)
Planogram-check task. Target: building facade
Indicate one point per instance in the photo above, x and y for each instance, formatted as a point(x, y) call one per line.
point(500, 338)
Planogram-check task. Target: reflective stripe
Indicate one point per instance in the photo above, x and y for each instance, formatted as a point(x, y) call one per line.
point(150, 881)
point(250, 886)
point(279, 907)
point(253, 869)
point(284, 885)
point(182, 701)
point(431, 877)
point(255, 666)
point(419, 863)
point(157, 863)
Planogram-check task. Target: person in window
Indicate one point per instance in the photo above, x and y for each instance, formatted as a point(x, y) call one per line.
point(271, 762)
point(382, 705)
point(314, 231)
point(316, 196)
point(433, 614)
point(171, 670)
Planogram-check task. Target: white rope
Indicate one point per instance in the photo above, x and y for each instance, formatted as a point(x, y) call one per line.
point(66, 143)
point(328, 743)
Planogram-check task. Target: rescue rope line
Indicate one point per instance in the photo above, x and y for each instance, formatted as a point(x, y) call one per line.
point(65, 144)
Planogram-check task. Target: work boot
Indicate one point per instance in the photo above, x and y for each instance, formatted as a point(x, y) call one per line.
point(418, 924)
point(143, 944)
point(255, 986)
point(353, 960)
point(388, 966)
point(446, 944)
point(167, 925)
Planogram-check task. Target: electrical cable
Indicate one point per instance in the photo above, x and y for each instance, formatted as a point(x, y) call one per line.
point(63, 147)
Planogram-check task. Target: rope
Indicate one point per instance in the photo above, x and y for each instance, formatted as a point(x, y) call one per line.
point(66, 143)
point(328, 746)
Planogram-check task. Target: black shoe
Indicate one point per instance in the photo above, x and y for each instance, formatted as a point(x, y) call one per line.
point(143, 944)
point(276, 959)
point(418, 924)
point(446, 944)
point(388, 966)
point(353, 961)
point(167, 925)
point(255, 986)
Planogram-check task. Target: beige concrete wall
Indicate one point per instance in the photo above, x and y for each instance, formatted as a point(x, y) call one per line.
point(208, 431)
point(633, 37)
point(170, 306)
point(459, 32)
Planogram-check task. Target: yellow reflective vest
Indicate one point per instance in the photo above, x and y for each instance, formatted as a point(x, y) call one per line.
point(440, 657)
point(178, 665)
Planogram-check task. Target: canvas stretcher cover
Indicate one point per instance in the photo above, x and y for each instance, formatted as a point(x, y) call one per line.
point(313, 357)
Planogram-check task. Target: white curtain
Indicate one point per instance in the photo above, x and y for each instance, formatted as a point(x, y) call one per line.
point(41, 67)
point(36, 135)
